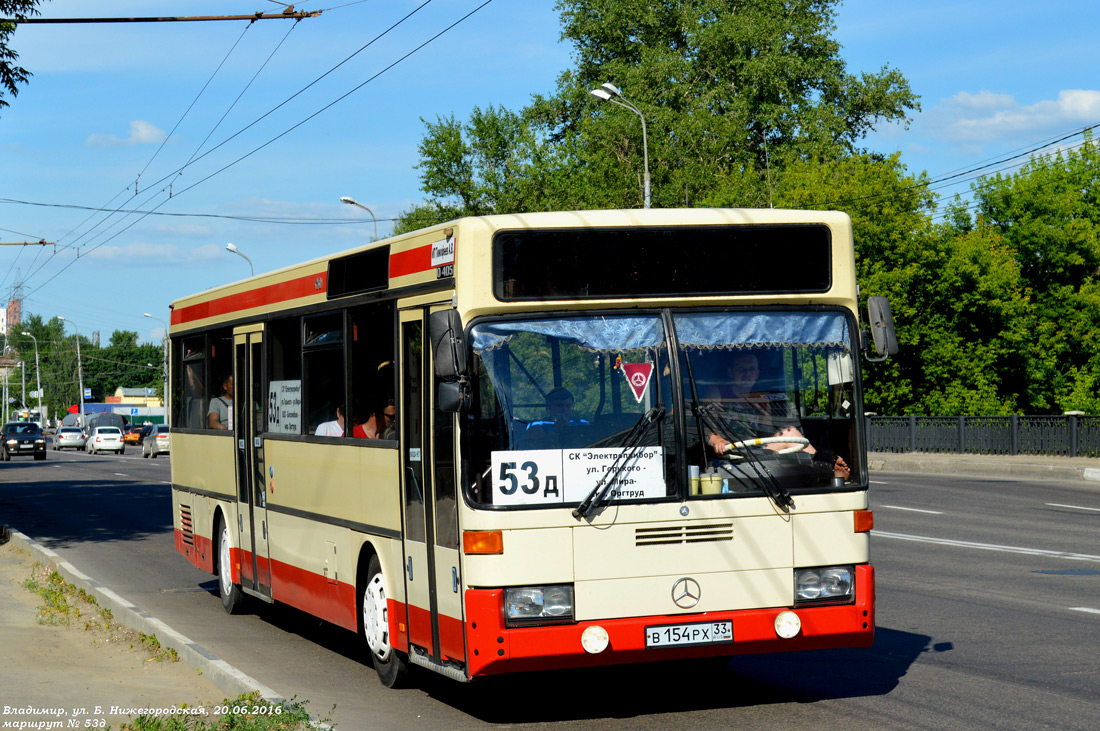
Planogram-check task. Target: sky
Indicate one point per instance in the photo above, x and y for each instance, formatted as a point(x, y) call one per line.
point(212, 125)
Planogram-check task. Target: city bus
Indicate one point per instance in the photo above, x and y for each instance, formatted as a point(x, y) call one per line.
point(526, 442)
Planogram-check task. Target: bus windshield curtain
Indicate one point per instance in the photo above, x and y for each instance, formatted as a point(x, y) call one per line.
point(595, 334)
point(726, 330)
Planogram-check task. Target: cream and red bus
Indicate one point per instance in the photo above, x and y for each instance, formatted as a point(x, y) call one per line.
point(527, 442)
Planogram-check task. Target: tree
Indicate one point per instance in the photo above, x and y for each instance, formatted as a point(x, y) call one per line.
point(10, 74)
point(733, 94)
point(1048, 213)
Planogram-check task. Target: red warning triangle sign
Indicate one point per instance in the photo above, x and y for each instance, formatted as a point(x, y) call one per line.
point(638, 375)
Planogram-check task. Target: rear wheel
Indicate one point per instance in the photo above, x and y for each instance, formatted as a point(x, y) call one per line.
point(122, 450)
point(232, 596)
point(388, 662)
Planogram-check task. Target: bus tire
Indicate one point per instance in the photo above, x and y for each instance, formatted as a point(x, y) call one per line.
point(232, 596)
point(375, 628)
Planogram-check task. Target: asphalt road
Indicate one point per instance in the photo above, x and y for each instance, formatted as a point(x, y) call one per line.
point(988, 616)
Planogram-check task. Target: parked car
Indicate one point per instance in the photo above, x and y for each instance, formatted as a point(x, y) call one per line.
point(105, 439)
point(69, 437)
point(22, 438)
point(131, 434)
point(156, 442)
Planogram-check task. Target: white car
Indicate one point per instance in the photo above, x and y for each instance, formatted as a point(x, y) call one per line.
point(156, 442)
point(105, 439)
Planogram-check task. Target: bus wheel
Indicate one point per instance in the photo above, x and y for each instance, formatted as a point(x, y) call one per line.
point(232, 597)
point(388, 662)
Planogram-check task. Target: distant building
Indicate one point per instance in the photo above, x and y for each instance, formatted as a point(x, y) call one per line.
point(146, 397)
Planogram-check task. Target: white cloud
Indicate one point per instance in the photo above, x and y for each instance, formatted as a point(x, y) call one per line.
point(967, 119)
point(141, 133)
point(157, 255)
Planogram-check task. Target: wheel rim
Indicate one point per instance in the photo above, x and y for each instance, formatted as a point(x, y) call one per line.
point(224, 568)
point(376, 626)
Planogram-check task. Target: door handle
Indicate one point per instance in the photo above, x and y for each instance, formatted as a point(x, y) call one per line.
point(454, 579)
point(409, 567)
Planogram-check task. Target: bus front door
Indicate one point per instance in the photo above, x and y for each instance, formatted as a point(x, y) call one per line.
point(431, 560)
point(252, 524)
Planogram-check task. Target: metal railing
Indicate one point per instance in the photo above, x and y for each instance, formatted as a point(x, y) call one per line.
point(1062, 436)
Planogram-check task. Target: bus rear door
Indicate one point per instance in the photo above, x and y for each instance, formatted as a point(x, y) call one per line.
point(252, 524)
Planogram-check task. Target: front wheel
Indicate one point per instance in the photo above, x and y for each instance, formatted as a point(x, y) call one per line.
point(388, 662)
point(232, 596)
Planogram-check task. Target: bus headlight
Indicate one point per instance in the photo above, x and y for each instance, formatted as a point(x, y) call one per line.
point(525, 605)
point(824, 585)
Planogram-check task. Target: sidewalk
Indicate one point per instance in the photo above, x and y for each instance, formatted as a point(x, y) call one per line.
point(1026, 467)
point(56, 673)
point(66, 674)
point(48, 669)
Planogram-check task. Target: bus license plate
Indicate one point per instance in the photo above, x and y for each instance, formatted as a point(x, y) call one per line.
point(684, 635)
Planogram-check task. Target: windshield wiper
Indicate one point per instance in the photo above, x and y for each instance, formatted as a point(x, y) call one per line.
point(630, 448)
point(771, 485)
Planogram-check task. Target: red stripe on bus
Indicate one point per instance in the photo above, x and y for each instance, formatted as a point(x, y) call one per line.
point(412, 261)
point(293, 289)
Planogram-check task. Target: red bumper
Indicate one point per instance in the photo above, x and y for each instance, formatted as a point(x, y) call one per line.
point(493, 649)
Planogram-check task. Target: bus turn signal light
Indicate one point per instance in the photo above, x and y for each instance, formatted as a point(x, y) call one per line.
point(482, 542)
point(865, 521)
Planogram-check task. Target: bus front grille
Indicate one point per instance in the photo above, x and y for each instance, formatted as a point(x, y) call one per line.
point(678, 534)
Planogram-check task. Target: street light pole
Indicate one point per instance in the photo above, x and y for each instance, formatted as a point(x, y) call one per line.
point(352, 202)
point(611, 93)
point(164, 366)
point(79, 370)
point(234, 250)
point(37, 375)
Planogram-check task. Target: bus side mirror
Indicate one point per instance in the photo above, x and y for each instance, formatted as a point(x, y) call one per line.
point(453, 396)
point(449, 354)
point(882, 328)
point(448, 346)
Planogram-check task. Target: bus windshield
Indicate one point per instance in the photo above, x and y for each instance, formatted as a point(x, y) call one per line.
point(557, 401)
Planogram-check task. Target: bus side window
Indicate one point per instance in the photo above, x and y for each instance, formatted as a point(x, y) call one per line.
point(323, 371)
point(371, 366)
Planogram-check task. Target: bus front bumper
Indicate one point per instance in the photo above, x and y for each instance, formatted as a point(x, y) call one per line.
point(494, 649)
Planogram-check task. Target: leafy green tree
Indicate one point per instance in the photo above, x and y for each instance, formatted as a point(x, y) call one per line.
point(1048, 213)
point(124, 362)
point(12, 75)
point(733, 93)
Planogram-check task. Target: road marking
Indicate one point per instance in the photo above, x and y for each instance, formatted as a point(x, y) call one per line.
point(878, 482)
point(913, 510)
point(1075, 507)
point(989, 546)
point(1090, 610)
point(121, 474)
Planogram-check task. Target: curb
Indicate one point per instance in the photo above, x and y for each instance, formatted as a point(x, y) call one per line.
point(224, 676)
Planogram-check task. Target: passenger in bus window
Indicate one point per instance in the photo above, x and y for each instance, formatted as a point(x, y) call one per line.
point(389, 418)
point(375, 425)
point(554, 431)
point(220, 415)
point(334, 428)
point(762, 413)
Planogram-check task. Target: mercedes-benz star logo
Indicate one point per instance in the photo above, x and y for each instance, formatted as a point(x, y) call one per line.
point(686, 593)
